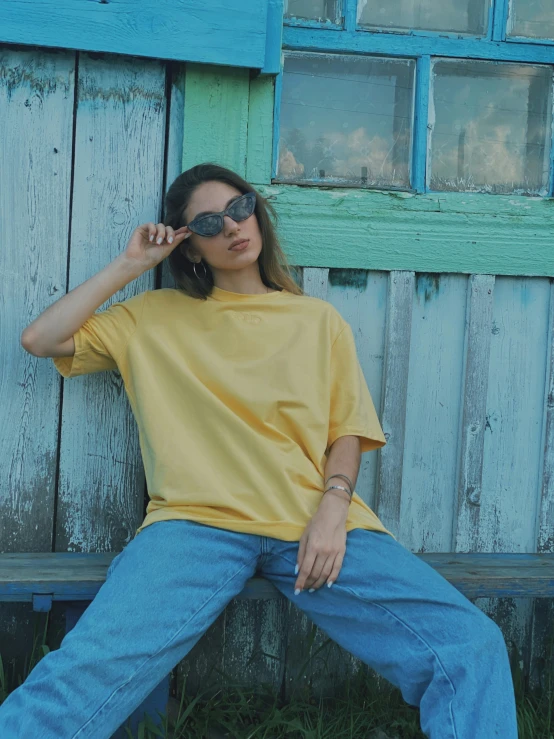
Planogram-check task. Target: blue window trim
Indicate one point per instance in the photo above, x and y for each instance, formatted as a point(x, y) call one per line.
point(276, 121)
point(232, 33)
point(421, 118)
point(414, 45)
point(500, 20)
point(308, 36)
point(349, 13)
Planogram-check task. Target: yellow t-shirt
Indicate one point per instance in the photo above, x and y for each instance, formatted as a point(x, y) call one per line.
point(237, 399)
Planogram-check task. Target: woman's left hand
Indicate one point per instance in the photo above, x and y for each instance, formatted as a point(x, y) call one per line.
point(323, 544)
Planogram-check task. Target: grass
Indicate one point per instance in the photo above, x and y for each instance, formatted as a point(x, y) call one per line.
point(360, 710)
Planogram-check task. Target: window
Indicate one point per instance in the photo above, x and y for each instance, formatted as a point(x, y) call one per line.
point(429, 95)
point(460, 16)
point(322, 11)
point(346, 120)
point(492, 127)
point(532, 19)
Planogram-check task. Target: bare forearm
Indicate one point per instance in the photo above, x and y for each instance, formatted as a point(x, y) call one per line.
point(344, 458)
point(63, 318)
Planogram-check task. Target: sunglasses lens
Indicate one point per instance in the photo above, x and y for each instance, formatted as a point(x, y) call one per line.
point(209, 226)
point(239, 211)
point(243, 208)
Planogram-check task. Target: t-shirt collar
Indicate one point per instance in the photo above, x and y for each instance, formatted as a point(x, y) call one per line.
point(226, 295)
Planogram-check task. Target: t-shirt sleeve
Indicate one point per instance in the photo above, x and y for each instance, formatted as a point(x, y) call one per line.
point(102, 338)
point(352, 410)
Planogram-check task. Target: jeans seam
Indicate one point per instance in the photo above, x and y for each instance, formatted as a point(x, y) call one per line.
point(164, 646)
point(419, 638)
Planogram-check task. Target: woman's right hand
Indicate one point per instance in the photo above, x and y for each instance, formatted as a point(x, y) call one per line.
point(143, 248)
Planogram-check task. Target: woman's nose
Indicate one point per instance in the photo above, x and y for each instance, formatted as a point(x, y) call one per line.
point(230, 225)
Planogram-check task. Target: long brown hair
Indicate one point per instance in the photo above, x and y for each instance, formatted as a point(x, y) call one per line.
point(275, 270)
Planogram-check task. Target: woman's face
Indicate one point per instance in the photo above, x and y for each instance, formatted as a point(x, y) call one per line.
point(214, 197)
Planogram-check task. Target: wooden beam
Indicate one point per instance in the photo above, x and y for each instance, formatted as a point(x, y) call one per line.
point(68, 576)
point(228, 32)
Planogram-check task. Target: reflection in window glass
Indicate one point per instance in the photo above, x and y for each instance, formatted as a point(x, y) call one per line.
point(316, 10)
point(457, 16)
point(531, 18)
point(346, 119)
point(492, 127)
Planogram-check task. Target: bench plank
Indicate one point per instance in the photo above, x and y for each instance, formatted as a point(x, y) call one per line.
point(67, 576)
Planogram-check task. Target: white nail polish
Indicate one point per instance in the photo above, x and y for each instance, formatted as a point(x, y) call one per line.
point(297, 591)
point(311, 590)
point(159, 241)
point(296, 570)
point(329, 583)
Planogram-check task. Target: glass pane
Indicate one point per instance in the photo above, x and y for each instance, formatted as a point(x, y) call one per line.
point(316, 10)
point(492, 127)
point(346, 119)
point(457, 16)
point(531, 18)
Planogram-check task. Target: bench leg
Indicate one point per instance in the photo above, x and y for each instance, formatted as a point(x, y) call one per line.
point(153, 704)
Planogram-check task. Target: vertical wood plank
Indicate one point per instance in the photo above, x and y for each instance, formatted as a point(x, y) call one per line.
point(316, 281)
point(120, 130)
point(515, 406)
point(36, 117)
point(432, 413)
point(216, 116)
point(361, 299)
point(545, 542)
point(255, 643)
point(174, 148)
point(394, 395)
point(514, 428)
point(36, 121)
point(543, 613)
point(472, 435)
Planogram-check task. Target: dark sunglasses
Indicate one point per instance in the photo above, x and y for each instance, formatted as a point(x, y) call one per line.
point(212, 223)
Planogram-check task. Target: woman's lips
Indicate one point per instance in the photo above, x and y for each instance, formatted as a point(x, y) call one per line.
point(240, 246)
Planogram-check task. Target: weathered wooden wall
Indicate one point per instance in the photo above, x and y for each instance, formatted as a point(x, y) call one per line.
point(456, 346)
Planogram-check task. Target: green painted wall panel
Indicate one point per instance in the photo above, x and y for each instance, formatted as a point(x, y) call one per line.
point(450, 232)
point(260, 130)
point(216, 116)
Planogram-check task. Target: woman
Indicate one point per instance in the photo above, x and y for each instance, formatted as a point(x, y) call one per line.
point(252, 412)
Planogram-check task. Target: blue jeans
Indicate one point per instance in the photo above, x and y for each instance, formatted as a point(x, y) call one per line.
point(162, 592)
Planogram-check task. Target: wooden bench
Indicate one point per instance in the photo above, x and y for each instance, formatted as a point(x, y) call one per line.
point(75, 578)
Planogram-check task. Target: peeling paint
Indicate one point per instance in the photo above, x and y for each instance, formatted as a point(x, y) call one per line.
point(40, 83)
point(353, 278)
point(427, 285)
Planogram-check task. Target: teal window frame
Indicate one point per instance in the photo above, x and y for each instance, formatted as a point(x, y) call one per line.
point(302, 35)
